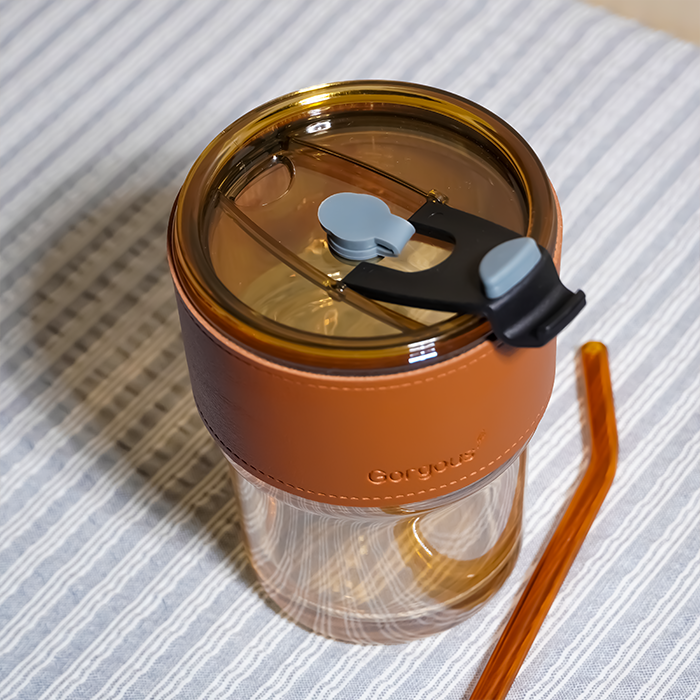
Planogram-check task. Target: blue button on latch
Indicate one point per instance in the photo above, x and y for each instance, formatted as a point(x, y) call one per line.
point(507, 264)
point(361, 227)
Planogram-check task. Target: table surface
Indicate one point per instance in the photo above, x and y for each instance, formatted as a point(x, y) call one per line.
point(122, 571)
point(678, 17)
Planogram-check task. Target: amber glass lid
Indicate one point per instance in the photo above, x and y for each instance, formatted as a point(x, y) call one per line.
point(249, 253)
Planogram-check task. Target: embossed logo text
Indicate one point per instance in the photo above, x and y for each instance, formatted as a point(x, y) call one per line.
point(379, 476)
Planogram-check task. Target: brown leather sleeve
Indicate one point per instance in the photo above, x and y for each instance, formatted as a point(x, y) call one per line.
point(368, 440)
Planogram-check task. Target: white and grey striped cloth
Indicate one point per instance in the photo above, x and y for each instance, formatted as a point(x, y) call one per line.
point(122, 572)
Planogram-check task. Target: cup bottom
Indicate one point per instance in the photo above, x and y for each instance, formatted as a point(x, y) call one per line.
point(365, 629)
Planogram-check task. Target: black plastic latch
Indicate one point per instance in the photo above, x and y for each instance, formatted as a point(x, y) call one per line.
point(532, 310)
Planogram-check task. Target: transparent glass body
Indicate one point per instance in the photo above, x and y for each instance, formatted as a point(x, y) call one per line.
point(248, 251)
point(374, 575)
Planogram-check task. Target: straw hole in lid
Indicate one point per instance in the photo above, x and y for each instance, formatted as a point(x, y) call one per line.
point(269, 185)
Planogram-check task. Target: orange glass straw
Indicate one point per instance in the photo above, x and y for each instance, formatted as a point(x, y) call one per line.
point(542, 589)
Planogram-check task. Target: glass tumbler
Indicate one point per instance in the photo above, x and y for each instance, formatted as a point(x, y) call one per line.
point(377, 450)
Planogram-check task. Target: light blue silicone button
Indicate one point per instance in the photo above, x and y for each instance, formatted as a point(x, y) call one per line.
point(506, 264)
point(361, 227)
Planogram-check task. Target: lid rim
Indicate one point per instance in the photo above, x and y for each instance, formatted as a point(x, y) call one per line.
point(299, 348)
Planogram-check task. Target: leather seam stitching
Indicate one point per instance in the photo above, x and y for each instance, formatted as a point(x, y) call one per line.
point(368, 498)
point(327, 387)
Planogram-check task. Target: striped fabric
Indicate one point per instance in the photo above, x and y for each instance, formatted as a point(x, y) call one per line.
point(122, 570)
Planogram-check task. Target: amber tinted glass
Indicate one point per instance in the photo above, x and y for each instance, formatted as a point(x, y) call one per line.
point(249, 251)
point(549, 575)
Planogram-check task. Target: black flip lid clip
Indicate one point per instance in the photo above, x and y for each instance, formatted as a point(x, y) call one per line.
point(492, 271)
